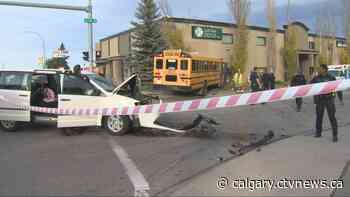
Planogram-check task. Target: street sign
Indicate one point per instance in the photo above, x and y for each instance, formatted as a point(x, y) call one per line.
point(199, 32)
point(90, 20)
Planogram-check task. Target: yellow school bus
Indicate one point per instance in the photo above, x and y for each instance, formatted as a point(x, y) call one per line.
point(182, 71)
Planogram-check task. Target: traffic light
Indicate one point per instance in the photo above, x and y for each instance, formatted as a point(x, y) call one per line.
point(86, 56)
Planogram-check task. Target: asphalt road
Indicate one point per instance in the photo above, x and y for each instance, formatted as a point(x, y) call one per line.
point(40, 161)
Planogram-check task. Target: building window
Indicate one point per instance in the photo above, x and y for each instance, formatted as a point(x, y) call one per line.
point(261, 41)
point(311, 45)
point(341, 44)
point(227, 38)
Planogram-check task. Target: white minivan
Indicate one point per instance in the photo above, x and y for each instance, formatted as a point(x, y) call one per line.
point(72, 91)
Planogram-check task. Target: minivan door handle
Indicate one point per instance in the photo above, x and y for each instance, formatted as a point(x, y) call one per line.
point(23, 95)
point(65, 100)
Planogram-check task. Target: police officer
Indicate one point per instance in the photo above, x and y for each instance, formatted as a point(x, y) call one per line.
point(254, 81)
point(265, 81)
point(325, 101)
point(298, 80)
point(77, 69)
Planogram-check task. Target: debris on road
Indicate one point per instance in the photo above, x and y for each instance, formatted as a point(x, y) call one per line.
point(244, 148)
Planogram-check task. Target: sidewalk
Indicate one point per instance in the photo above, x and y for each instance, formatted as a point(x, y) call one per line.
point(296, 158)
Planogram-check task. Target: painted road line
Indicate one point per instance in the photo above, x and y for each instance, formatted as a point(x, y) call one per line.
point(139, 182)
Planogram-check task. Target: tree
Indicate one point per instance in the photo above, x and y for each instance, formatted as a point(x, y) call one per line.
point(271, 41)
point(240, 10)
point(57, 62)
point(289, 53)
point(173, 36)
point(147, 39)
point(345, 53)
point(326, 29)
point(165, 8)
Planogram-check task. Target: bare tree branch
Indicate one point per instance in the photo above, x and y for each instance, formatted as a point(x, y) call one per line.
point(165, 8)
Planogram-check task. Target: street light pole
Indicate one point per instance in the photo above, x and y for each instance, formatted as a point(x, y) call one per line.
point(43, 43)
point(87, 9)
point(91, 35)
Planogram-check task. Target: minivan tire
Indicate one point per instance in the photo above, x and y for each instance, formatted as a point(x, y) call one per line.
point(117, 125)
point(9, 126)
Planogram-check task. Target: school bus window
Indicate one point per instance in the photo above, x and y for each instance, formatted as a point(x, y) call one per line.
point(184, 64)
point(171, 64)
point(159, 64)
point(194, 63)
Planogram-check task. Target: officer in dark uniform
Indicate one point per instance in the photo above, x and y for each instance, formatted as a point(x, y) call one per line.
point(254, 81)
point(325, 101)
point(298, 80)
point(265, 81)
point(77, 69)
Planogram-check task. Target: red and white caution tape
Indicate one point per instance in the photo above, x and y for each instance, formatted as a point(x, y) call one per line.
point(208, 103)
point(89, 69)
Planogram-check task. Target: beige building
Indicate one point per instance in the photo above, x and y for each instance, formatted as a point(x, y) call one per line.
point(216, 39)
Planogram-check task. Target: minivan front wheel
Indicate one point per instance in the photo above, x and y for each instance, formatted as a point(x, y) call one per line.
point(8, 125)
point(117, 125)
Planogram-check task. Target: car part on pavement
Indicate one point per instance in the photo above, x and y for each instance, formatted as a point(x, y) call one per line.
point(202, 126)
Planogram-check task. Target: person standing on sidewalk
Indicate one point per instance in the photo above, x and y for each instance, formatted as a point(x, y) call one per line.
point(272, 80)
point(325, 101)
point(265, 79)
point(298, 80)
point(254, 81)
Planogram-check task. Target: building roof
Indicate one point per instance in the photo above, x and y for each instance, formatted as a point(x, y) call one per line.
point(118, 34)
point(297, 23)
point(221, 24)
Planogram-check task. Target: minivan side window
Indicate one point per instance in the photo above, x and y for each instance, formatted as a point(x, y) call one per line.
point(15, 81)
point(77, 85)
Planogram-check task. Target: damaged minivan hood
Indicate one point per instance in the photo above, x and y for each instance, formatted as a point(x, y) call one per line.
point(115, 91)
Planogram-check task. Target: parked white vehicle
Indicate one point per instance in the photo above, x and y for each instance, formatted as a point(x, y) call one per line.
point(340, 72)
point(72, 91)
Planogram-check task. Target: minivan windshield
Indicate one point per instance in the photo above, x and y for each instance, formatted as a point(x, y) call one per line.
point(102, 82)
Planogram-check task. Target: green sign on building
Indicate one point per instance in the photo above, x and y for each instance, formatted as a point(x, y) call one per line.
point(209, 33)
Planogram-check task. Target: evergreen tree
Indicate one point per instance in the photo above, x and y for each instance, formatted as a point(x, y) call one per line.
point(147, 39)
point(60, 60)
point(57, 62)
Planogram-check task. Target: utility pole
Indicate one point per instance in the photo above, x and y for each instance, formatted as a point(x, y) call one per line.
point(87, 9)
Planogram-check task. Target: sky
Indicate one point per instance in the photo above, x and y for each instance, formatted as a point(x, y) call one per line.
point(22, 49)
